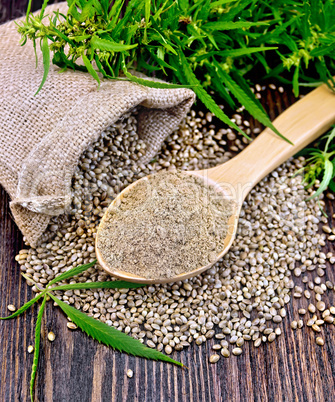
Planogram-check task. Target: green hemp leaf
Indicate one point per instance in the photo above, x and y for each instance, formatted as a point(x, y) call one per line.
point(96, 329)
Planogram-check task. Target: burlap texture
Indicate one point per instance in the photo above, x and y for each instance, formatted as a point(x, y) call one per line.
point(43, 136)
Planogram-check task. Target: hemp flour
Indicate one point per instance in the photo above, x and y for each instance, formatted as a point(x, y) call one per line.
point(167, 224)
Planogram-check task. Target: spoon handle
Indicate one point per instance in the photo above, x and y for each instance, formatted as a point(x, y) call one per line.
point(301, 123)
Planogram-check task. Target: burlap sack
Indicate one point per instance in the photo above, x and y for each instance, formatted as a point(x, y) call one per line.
point(43, 136)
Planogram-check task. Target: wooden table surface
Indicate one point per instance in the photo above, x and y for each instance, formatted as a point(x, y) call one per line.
point(75, 368)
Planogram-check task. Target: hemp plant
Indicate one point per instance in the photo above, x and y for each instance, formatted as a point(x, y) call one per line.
point(93, 328)
point(320, 164)
point(182, 41)
point(214, 47)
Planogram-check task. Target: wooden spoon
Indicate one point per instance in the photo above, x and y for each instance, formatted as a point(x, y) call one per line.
point(301, 123)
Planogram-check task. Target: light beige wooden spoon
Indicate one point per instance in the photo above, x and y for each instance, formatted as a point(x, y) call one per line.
point(302, 123)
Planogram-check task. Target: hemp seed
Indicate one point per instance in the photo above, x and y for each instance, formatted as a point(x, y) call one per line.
point(11, 307)
point(319, 341)
point(214, 358)
point(71, 325)
point(237, 351)
point(312, 308)
point(294, 324)
point(225, 352)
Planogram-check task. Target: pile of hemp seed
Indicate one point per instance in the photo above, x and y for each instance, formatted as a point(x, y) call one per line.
point(243, 296)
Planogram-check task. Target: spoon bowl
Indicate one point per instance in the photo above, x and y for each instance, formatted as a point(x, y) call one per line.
point(131, 277)
point(301, 123)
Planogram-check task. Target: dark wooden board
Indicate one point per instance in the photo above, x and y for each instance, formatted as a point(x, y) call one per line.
point(10, 9)
point(77, 369)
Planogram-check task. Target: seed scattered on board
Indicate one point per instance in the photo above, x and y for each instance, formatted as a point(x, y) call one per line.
point(130, 373)
point(214, 358)
point(30, 349)
point(11, 307)
point(319, 341)
point(51, 336)
point(315, 323)
point(225, 352)
point(71, 325)
point(311, 308)
point(300, 324)
point(237, 351)
point(294, 325)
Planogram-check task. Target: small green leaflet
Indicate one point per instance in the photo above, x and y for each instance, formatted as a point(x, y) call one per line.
point(147, 18)
point(61, 35)
point(46, 61)
point(91, 70)
point(296, 81)
point(105, 7)
point(219, 3)
point(330, 137)
point(327, 177)
point(153, 84)
point(89, 9)
point(81, 38)
point(249, 103)
point(111, 336)
point(235, 52)
point(115, 11)
point(99, 65)
point(323, 50)
point(103, 44)
point(205, 98)
point(228, 25)
point(100, 285)
point(23, 308)
point(28, 9)
point(72, 272)
point(35, 52)
point(44, 5)
point(37, 347)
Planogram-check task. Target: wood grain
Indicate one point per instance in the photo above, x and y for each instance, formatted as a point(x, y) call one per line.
point(77, 369)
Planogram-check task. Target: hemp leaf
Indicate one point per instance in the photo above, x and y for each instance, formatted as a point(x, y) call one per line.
point(37, 347)
point(111, 336)
point(320, 164)
point(46, 61)
point(93, 328)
